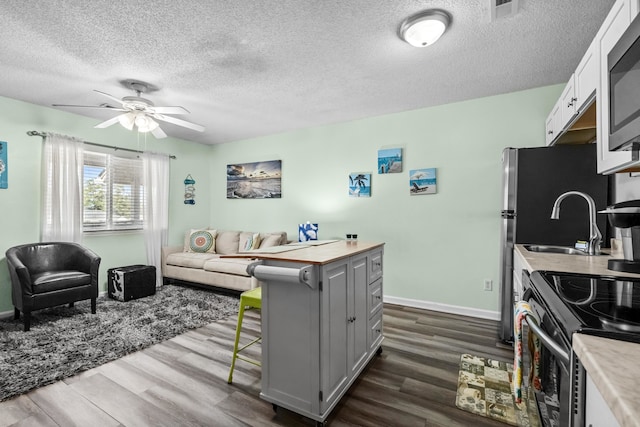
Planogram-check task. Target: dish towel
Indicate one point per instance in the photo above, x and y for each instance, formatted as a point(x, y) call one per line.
point(522, 308)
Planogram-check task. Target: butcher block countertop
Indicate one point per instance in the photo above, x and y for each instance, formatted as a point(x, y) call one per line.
point(612, 365)
point(313, 252)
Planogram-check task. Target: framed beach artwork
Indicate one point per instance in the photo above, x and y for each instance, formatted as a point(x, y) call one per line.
point(422, 181)
point(258, 180)
point(390, 160)
point(360, 184)
point(4, 181)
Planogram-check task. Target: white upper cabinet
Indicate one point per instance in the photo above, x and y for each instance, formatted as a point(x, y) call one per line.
point(568, 102)
point(587, 78)
point(615, 24)
point(554, 123)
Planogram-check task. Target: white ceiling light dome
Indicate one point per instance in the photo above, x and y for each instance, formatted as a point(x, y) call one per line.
point(424, 28)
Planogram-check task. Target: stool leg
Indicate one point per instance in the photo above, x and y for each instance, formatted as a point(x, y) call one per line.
point(235, 345)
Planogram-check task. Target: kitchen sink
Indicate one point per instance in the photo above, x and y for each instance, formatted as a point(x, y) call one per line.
point(556, 250)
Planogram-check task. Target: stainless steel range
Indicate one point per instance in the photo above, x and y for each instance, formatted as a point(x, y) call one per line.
point(567, 303)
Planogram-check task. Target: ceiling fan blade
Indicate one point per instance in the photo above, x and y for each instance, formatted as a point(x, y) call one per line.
point(170, 110)
point(159, 133)
point(179, 122)
point(100, 107)
point(119, 101)
point(111, 121)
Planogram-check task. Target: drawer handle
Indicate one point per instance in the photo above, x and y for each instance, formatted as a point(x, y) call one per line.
point(378, 297)
point(351, 319)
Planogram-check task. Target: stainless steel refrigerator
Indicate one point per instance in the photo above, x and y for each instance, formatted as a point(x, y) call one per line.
point(532, 180)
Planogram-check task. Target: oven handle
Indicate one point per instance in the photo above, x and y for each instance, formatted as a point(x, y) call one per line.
point(547, 341)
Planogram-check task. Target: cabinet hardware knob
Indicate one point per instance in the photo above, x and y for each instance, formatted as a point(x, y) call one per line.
point(378, 330)
point(378, 297)
point(550, 132)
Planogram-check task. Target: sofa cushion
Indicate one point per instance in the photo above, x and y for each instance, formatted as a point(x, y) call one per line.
point(227, 242)
point(272, 239)
point(203, 241)
point(237, 266)
point(189, 259)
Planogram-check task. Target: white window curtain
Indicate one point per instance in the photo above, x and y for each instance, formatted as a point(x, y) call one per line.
point(62, 163)
point(156, 208)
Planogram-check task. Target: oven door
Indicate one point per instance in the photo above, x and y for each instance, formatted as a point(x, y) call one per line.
point(560, 402)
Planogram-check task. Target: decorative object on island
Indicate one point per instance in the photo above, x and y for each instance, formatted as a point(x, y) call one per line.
point(307, 232)
point(390, 160)
point(360, 185)
point(189, 190)
point(3, 165)
point(422, 181)
point(258, 180)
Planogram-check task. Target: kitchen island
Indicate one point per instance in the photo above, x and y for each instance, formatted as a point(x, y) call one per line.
point(610, 364)
point(321, 322)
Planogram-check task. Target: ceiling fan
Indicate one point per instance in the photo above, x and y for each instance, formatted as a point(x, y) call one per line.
point(139, 113)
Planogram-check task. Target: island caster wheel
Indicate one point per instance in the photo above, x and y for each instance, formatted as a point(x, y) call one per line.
point(379, 351)
point(275, 407)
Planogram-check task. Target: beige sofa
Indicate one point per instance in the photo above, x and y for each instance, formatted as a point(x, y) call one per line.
point(199, 260)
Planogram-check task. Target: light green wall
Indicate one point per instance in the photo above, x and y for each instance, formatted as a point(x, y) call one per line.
point(438, 248)
point(20, 203)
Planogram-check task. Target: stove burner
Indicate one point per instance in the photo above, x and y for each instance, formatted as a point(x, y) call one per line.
point(613, 325)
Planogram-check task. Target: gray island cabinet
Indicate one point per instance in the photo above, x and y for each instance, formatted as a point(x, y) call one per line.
point(321, 323)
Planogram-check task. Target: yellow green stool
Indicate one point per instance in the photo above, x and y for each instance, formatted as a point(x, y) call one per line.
point(251, 299)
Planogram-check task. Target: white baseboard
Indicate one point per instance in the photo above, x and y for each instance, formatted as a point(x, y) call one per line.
point(446, 308)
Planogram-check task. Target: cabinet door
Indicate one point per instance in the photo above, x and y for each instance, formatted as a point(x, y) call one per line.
point(597, 412)
point(614, 25)
point(358, 312)
point(554, 123)
point(587, 77)
point(568, 103)
point(335, 342)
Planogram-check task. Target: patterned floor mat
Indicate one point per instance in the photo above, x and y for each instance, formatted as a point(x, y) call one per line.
point(484, 388)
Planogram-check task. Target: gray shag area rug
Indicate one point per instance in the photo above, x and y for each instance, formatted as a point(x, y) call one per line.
point(64, 341)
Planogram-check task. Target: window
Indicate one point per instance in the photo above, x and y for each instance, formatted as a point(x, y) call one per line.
point(113, 195)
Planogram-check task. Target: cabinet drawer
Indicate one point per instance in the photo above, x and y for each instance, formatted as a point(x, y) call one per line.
point(375, 331)
point(375, 296)
point(375, 266)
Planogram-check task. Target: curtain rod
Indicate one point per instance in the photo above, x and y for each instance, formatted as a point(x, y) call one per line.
point(36, 133)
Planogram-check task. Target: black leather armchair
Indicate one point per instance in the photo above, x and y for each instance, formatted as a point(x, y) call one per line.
point(49, 274)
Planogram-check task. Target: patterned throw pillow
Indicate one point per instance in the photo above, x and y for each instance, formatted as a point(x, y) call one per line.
point(253, 242)
point(202, 241)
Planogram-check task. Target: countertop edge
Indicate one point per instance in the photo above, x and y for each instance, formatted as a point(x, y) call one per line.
point(603, 358)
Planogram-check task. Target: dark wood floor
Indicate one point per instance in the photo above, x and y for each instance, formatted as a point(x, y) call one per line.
point(183, 381)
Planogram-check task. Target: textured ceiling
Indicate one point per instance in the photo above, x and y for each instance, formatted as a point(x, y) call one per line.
point(251, 68)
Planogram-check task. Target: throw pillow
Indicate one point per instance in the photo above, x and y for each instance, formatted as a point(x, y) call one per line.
point(270, 240)
point(203, 241)
point(253, 242)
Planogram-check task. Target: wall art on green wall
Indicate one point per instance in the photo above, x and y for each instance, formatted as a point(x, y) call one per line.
point(360, 185)
point(390, 160)
point(422, 181)
point(258, 180)
point(4, 174)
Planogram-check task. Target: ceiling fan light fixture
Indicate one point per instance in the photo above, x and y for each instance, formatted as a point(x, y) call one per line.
point(424, 28)
point(145, 123)
point(127, 120)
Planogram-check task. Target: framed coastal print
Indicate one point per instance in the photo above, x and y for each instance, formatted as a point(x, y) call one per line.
point(390, 160)
point(422, 181)
point(4, 174)
point(360, 184)
point(258, 180)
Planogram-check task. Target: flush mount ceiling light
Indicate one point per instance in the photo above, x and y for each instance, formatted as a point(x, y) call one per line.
point(424, 28)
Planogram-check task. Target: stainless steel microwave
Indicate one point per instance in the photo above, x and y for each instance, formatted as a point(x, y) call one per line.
point(624, 90)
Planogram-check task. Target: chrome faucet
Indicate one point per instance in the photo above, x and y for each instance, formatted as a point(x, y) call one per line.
point(595, 237)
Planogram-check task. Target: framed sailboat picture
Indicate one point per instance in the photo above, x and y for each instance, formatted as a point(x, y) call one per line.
point(422, 181)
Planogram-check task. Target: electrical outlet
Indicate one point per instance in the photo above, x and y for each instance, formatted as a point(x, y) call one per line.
point(488, 284)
